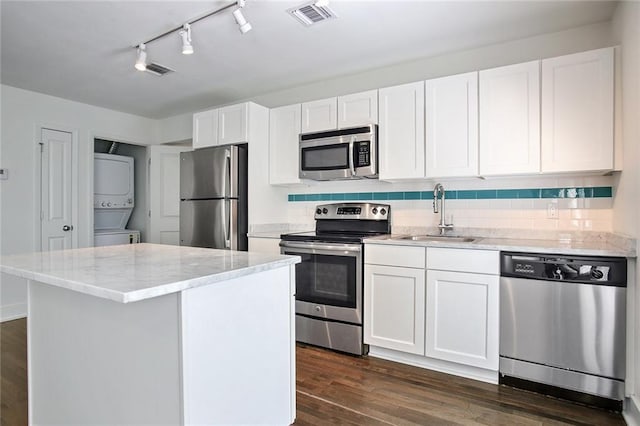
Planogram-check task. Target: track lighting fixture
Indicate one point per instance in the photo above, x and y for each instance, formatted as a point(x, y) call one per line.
point(185, 33)
point(141, 61)
point(244, 26)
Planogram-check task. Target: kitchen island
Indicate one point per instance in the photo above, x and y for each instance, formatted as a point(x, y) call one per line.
point(156, 334)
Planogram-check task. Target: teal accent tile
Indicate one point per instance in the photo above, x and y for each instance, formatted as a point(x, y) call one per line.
point(412, 195)
point(325, 197)
point(507, 194)
point(528, 193)
point(380, 195)
point(313, 197)
point(365, 196)
point(299, 197)
point(351, 196)
point(290, 197)
point(466, 195)
point(588, 192)
point(486, 194)
point(396, 195)
point(572, 192)
point(602, 192)
point(552, 193)
point(337, 197)
point(452, 195)
point(426, 195)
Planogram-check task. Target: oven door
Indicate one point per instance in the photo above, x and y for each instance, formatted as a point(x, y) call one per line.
point(328, 280)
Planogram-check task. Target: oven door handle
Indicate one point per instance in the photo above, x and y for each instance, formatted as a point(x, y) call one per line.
point(316, 246)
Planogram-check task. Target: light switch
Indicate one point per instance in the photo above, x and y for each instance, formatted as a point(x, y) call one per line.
point(4, 174)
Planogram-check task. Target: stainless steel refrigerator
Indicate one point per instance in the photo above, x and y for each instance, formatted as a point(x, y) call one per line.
point(213, 198)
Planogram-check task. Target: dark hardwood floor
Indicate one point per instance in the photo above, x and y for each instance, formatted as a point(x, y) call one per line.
point(334, 388)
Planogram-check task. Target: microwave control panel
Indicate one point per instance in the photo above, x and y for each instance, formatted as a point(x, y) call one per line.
point(362, 153)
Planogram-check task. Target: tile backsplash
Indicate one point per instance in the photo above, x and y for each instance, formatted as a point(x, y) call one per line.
point(580, 203)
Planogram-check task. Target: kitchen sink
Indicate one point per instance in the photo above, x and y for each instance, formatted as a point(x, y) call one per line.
point(438, 238)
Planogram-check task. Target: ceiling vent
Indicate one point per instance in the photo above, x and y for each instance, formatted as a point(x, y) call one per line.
point(310, 13)
point(158, 69)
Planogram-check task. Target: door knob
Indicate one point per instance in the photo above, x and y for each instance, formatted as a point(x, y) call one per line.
point(67, 228)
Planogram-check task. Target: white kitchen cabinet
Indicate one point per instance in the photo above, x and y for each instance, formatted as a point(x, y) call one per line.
point(320, 115)
point(233, 124)
point(401, 132)
point(358, 109)
point(463, 306)
point(577, 112)
point(510, 119)
point(462, 318)
point(394, 308)
point(205, 129)
point(284, 133)
point(451, 124)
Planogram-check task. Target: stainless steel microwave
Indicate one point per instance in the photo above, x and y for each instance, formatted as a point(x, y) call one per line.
point(340, 154)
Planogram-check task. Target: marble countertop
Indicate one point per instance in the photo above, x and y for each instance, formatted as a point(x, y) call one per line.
point(585, 248)
point(133, 272)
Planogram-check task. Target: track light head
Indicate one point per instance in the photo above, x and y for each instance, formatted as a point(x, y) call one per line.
point(244, 26)
point(185, 33)
point(141, 61)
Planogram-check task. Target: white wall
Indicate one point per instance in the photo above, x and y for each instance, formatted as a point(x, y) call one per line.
point(22, 114)
point(626, 219)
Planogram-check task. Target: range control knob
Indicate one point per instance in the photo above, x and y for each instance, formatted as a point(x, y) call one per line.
point(325, 211)
point(383, 211)
point(108, 204)
point(374, 210)
point(103, 204)
point(318, 211)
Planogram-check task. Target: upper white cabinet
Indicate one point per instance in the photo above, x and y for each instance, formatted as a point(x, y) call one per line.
point(401, 132)
point(320, 115)
point(284, 131)
point(227, 125)
point(358, 109)
point(233, 122)
point(510, 119)
point(205, 129)
point(577, 112)
point(451, 125)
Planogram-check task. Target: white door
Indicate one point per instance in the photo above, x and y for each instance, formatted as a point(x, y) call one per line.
point(577, 112)
point(401, 145)
point(394, 308)
point(164, 194)
point(451, 123)
point(320, 115)
point(233, 124)
point(358, 109)
point(56, 196)
point(284, 132)
point(462, 318)
point(510, 119)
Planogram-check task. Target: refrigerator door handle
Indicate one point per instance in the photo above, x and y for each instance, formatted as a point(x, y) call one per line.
point(232, 242)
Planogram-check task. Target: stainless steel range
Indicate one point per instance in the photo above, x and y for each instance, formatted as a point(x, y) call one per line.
point(329, 281)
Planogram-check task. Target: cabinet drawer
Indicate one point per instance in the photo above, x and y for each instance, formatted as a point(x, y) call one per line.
point(464, 260)
point(410, 257)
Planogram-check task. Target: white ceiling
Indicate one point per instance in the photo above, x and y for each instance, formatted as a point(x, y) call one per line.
point(83, 50)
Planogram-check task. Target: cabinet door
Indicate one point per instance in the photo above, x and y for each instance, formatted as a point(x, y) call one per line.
point(394, 303)
point(510, 119)
point(451, 125)
point(205, 129)
point(320, 115)
point(577, 112)
point(164, 194)
point(462, 318)
point(358, 109)
point(284, 132)
point(401, 144)
point(233, 124)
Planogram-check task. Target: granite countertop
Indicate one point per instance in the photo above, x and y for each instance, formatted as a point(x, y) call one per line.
point(548, 246)
point(133, 272)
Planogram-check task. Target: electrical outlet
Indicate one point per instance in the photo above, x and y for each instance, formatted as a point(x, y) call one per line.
point(552, 211)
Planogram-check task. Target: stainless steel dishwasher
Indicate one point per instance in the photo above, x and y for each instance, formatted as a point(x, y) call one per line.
point(563, 326)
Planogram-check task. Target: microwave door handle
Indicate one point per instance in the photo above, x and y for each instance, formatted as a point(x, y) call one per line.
point(351, 165)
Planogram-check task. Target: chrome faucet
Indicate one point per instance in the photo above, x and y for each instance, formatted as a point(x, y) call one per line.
point(443, 225)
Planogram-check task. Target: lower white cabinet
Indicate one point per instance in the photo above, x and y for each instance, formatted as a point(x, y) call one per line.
point(462, 318)
point(394, 308)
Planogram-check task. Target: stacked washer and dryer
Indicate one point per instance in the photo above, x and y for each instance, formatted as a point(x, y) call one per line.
point(113, 200)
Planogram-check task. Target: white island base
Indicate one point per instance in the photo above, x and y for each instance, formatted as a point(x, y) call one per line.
point(220, 352)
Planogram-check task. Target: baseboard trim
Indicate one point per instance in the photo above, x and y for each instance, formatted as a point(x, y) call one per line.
point(13, 312)
point(631, 412)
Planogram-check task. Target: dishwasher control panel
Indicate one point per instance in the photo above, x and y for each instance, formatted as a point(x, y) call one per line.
point(580, 269)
